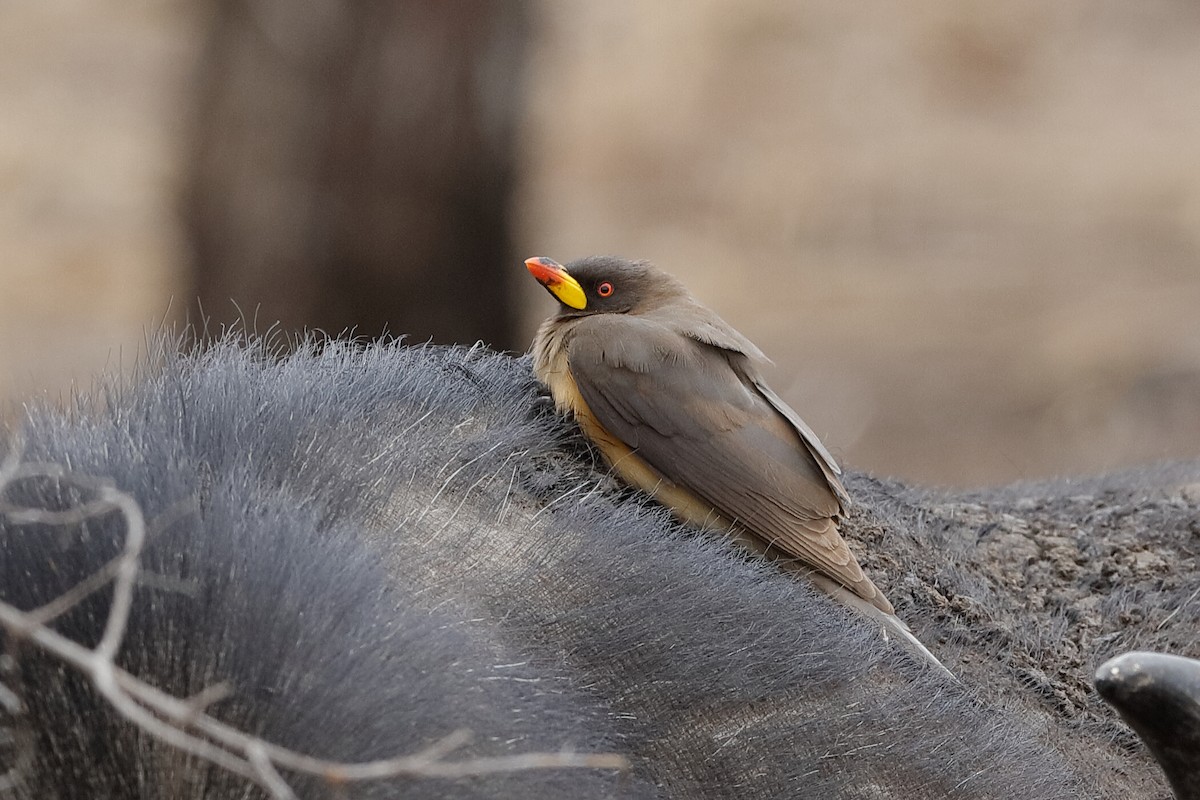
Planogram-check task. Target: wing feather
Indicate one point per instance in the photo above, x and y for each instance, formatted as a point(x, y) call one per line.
point(706, 422)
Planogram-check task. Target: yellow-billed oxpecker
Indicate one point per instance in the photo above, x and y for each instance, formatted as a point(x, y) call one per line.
point(674, 399)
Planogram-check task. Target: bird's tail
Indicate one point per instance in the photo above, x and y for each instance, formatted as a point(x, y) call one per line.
point(890, 623)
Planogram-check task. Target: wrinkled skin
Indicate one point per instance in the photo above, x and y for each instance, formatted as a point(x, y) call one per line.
point(391, 543)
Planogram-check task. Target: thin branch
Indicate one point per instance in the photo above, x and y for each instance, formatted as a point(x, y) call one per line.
point(204, 698)
point(60, 605)
point(127, 569)
point(268, 776)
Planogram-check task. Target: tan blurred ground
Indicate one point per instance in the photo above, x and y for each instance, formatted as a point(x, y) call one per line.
point(968, 233)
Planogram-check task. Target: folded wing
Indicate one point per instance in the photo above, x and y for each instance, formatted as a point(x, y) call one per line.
point(699, 415)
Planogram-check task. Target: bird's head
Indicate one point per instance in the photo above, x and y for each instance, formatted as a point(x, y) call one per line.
point(605, 285)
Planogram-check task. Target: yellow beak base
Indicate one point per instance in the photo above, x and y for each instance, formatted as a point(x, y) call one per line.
point(558, 281)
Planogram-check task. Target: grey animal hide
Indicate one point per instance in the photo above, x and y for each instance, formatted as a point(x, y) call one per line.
point(392, 543)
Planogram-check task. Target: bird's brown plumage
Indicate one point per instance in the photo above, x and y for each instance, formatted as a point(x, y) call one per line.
point(674, 399)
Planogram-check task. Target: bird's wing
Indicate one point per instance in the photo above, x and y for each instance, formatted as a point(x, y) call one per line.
point(689, 410)
point(824, 459)
point(705, 326)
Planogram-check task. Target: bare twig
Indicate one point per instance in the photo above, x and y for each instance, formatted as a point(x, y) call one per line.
point(75, 595)
point(268, 776)
point(204, 698)
point(182, 722)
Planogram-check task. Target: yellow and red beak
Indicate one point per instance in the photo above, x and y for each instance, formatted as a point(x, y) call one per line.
point(558, 281)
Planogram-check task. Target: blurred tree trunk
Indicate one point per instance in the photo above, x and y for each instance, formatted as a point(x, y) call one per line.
point(353, 163)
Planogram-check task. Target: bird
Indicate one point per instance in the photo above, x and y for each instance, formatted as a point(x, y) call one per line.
point(675, 400)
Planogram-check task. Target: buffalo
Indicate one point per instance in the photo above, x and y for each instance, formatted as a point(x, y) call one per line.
point(353, 552)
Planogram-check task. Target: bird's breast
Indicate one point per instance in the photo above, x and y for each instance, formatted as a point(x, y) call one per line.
point(552, 368)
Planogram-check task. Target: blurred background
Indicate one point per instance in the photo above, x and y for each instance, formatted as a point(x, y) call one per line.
point(967, 233)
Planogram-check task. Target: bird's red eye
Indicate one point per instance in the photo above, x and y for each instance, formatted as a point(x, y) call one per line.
point(605, 289)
